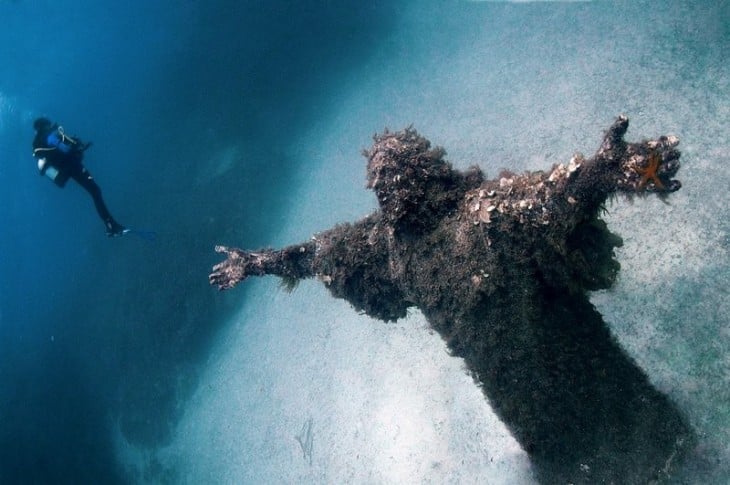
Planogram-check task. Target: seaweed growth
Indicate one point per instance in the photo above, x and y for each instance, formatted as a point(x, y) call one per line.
point(502, 268)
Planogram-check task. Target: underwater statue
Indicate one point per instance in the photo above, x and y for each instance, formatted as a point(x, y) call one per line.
point(501, 269)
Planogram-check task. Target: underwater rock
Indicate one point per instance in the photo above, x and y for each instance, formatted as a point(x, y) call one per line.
point(501, 268)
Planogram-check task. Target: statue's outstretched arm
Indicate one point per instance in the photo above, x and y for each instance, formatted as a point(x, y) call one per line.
point(292, 263)
point(402, 168)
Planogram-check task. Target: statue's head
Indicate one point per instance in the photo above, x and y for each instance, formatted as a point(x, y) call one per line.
point(413, 183)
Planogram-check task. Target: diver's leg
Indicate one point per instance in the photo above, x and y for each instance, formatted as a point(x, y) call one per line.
point(85, 180)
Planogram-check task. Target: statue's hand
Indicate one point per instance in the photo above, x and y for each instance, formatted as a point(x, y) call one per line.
point(649, 166)
point(643, 167)
point(238, 266)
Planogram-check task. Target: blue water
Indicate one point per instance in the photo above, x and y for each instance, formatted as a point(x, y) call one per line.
point(207, 119)
point(95, 332)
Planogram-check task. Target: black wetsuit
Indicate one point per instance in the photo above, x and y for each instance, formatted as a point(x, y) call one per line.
point(65, 154)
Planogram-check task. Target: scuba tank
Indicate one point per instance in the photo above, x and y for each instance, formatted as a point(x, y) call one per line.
point(50, 171)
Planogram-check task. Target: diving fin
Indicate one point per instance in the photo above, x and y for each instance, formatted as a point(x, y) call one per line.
point(150, 236)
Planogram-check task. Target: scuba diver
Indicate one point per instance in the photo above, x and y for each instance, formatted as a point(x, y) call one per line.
point(59, 158)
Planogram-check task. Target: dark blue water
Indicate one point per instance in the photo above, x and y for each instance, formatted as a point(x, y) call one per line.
point(101, 336)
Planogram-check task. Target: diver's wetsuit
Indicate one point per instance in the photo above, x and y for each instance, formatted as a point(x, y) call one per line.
point(65, 155)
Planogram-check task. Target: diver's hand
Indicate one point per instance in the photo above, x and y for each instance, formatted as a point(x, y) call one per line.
point(42, 166)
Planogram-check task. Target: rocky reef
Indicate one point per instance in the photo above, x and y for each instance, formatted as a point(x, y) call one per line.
point(501, 268)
